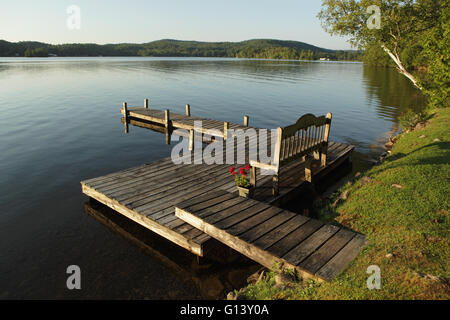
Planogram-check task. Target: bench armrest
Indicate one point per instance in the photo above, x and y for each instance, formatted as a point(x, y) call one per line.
point(264, 166)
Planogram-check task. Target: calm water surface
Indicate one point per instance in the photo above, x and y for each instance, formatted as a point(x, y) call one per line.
point(60, 124)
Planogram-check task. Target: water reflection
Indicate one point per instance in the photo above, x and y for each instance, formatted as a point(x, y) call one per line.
point(224, 269)
point(262, 70)
point(168, 132)
point(391, 92)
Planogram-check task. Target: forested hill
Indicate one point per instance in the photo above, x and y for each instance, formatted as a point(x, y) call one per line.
point(258, 48)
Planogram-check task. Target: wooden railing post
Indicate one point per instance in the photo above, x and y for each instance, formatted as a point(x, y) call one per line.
point(253, 176)
point(246, 121)
point(226, 126)
point(125, 110)
point(125, 116)
point(167, 125)
point(188, 110)
point(168, 137)
point(167, 118)
point(146, 103)
point(191, 140)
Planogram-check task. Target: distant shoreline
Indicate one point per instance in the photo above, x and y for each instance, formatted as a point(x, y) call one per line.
point(253, 49)
point(175, 58)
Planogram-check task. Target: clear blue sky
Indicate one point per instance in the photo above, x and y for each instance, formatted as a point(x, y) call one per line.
point(139, 21)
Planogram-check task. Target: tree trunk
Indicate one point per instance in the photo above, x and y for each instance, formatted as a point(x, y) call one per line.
point(400, 66)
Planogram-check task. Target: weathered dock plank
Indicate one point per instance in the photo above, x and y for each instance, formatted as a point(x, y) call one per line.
point(193, 246)
point(148, 194)
point(314, 249)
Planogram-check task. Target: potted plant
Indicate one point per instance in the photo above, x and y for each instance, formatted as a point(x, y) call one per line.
point(242, 182)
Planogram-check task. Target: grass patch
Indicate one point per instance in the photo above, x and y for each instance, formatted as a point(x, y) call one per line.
point(407, 225)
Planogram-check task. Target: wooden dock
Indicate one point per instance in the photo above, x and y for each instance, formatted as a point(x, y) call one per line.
point(149, 194)
point(268, 234)
point(173, 121)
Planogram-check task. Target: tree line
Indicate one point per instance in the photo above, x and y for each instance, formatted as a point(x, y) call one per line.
point(259, 49)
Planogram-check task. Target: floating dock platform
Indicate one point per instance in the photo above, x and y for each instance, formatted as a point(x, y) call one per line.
point(161, 195)
point(268, 234)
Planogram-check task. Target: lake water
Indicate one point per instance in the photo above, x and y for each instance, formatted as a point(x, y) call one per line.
point(60, 124)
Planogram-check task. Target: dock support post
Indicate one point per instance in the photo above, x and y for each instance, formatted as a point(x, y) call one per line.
point(167, 118)
point(167, 125)
point(191, 140)
point(146, 103)
point(168, 136)
point(226, 126)
point(246, 121)
point(125, 115)
point(188, 110)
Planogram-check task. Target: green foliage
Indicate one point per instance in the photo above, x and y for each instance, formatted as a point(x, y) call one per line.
point(415, 34)
point(410, 119)
point(259, 49)
point(264, 289)
point(242, 181)
point(241, 177)
point(412, 56)
point(37, 52)
point(375, 56)
point(436, 49)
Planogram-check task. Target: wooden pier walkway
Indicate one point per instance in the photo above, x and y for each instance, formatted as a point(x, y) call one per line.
point(149, 194)
point(175, 121)
point(269, 235)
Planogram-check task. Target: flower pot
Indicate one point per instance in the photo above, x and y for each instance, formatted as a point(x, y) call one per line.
point(246, 192)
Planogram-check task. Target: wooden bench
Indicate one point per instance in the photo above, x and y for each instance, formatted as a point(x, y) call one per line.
point(309, 135)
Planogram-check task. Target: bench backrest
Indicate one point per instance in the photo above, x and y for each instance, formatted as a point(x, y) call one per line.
point(308, 134)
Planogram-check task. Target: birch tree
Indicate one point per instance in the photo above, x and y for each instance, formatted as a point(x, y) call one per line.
point(391, 24)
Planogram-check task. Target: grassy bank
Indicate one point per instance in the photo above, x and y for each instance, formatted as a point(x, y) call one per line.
point(402, 207)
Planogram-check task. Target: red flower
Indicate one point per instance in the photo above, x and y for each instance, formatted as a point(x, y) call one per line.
point(247, 167)
point(242, 171)
point(232, 169)
point(233, 173)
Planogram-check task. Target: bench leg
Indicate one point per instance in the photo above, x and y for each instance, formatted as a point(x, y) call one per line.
point(323, 156)
point(317, 154)
point(253, 176)
point(308, 172)
point(276, 187)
